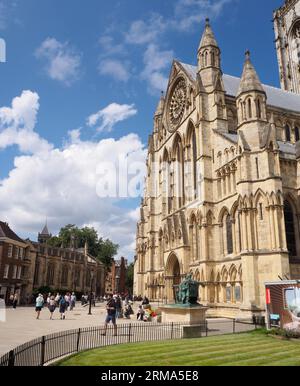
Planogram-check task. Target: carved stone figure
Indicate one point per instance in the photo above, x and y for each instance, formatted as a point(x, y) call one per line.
point(187, 291)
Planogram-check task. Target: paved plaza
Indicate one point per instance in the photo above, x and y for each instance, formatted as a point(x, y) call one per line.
point(21, 325)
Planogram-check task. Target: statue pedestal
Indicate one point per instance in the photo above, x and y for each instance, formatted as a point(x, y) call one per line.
point(191, 316)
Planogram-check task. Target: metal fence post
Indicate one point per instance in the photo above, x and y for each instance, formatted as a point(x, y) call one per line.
point(129, 333)
point(233, 326)
point(172, 330)
point(43, 343)
point(11, 359)
point(206, 328)
point(78, 339)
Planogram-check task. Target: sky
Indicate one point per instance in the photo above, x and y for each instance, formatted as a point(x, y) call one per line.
point(78, 92)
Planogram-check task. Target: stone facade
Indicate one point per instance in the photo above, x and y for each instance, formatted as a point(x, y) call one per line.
point(116, 277)
point(26, 266)
point(67, 269)
point(222, 194)
point(16, 274)
point(287, 35)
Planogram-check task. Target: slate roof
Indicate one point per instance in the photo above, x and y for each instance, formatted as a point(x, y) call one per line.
point(5, 231)
point(276, 96)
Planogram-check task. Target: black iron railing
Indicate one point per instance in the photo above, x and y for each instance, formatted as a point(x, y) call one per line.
point(42, 351)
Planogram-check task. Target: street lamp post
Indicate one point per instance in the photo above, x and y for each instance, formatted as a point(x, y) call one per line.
point(91, 293)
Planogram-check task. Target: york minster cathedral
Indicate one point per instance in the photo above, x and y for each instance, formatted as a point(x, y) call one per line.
point(222, 193)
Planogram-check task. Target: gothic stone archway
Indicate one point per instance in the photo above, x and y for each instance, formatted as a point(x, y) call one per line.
point(173, 276)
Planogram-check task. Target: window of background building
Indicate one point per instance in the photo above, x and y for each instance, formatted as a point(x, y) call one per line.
point(6, 271)
point(10, 251)
point(16, 252)
point(14, 275)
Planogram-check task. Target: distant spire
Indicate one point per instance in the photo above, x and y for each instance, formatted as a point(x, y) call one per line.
point(250, 80)
point(208, 37)
point(161, 104)
point(45, 231)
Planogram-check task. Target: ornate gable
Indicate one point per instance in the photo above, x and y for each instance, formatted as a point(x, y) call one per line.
point(177, 97)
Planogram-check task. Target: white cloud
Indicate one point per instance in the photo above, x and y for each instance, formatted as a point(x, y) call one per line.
point(142, 32)
point(111, 115)
point(63, 62)
point(7, 14)
point(61, 184)
point(109, 47)
point(74, 136)
point(191, 12)
point(156, 61)
point(17, 123)
point(23, 112)
point(117, 69)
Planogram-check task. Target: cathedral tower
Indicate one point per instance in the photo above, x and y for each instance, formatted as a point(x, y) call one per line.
point(45, 235)
point(209, 57)
point(287, 38)
point(251, 105)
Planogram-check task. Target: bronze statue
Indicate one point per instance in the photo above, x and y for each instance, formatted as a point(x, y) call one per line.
point(187, 291)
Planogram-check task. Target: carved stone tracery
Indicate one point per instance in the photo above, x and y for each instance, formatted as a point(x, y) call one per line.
point(177, 104)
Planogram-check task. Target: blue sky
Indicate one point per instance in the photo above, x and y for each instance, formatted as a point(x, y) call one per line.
point(88, 75)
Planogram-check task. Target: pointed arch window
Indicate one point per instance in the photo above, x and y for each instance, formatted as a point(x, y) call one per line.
point(290, 228)
point(213, 59)
point(166, 184)
point(194, 235)
point(64, 278)
point(229, 235)
point(180, 173)
point(205, 59)
point(194, 149)
point(50, 274)
point(287, 133)
point(161, 249)
point(297, 134)
point(258, 109)
point(249, 108)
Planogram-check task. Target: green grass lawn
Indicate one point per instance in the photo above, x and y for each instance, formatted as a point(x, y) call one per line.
point(249, 349)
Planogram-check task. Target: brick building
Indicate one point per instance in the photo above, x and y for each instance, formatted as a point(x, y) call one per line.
point(26, 266)
point(16, 264)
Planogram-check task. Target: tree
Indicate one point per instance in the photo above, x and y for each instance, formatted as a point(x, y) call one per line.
point(107, 250)
point(71, 235)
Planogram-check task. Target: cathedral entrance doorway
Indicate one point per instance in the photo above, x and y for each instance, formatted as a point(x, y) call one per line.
point(173, 276)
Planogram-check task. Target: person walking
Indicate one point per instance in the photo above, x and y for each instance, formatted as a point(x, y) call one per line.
point(63, 305)
point(48, 299)
point(39, 303)
point(68, 300)
point(57, 299)
point(15, 301)
point(52, 306)
point(73, 301)
point(118, 301)
point(111, 309)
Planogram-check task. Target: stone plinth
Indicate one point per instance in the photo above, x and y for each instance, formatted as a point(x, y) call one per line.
point(189, 314)
point(192, 317)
